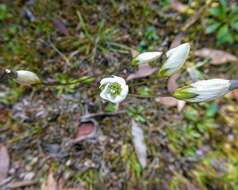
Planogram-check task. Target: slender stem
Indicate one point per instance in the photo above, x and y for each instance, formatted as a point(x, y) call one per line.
point(150, 96)
point(117, 107)
point(56, 83)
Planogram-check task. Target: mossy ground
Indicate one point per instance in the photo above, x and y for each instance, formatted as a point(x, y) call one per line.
point(193, 149)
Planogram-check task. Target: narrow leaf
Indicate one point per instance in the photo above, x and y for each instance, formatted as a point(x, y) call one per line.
point(139, 144)
point(4, 162)
point(217, 56)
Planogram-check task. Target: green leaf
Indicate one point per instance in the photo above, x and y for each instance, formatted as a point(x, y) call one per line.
point(235, 26)
point(191, 114)
point(234, 12)
point(212, 28)
point(111, 107)
point(215, 11)
point(223, 6)
point(3, 11)
point(212, 110)
point(164, 72)
point(224, 35)
point(223, 3)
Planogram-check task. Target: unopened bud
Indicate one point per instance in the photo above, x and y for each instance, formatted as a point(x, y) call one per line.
point(176, 58)
point(146, 57)
point(27, 77)
point(204, 90)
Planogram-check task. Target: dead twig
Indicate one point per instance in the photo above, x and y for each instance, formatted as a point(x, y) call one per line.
point(194, 18)
point(103, 114)
point(20, 184)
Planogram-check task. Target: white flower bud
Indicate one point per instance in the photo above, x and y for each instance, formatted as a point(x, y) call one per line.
point(176, 58)
point(113, 89)
point(146, 57)
point(203, 90)
point(27, 77)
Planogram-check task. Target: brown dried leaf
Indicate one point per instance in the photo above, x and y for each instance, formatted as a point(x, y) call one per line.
point(169, 101)
point(4, 114)
point(144, 70)
point(86, 130)
point(234, 94)
point(177, 40)
point(59, 25)
point(178, 6)
point(4, 162)
point(172, 82)
point(134, 53)
point(21, 184)
point(51, 183)
point(76, 188)
point(139, 143)
point(180, 105)
point(217, 56)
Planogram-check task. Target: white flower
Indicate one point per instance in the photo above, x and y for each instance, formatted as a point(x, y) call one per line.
point(176, 58)
point(27, 77)
point(146, 57)
point(113, 89)
point(204, 90)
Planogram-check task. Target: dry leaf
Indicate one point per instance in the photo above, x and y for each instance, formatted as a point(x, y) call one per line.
point(51, 183)
point(4, 162)
point(180, 105)
point(144, 70)
point(177, 41)
point(234, 94)
point(178, 6)
point(139, 144)
point(4, 114)
point(76, 188)
point(217, 56)
point(169, 101)
point(59, 25)
point(172, 82)
point(86, 130)
point(134, 53)
point(22, 184)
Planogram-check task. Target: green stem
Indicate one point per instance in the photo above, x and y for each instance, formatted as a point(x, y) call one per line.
point(150, 96)
point(83, 80)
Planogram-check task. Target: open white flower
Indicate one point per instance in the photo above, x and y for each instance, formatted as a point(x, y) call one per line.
point(27, 77)
point(203, 90)
point(176, 58)
point(113, 89)
point(146, 57)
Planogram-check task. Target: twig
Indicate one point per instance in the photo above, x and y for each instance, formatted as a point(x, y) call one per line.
point(6, 181)
point(103, 114)
point(56, 50)
point(20, 184)
point(194, 19)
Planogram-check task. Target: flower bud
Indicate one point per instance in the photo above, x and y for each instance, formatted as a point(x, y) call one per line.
point(203, 90)
point(176, 58)
point(113, 89)
point(27, 77)
point(146, 57)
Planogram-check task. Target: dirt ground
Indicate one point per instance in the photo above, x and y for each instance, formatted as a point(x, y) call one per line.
point(67, 137)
